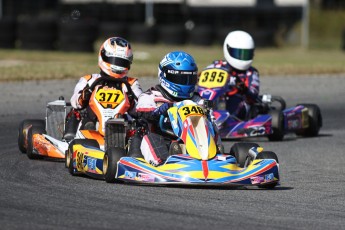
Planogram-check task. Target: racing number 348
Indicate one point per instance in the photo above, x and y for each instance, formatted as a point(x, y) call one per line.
point(212, 76)
point(192, 109)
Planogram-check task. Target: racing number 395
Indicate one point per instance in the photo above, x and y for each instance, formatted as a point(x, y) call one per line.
point(212, 76)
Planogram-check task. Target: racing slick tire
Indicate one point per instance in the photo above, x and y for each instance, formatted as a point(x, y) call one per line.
point(314, 120)
point(240, 151)
point(268, 155)
point(111, 157)
point(277, 125)
point(30, 148)
point(22, 126)
point(69, 153)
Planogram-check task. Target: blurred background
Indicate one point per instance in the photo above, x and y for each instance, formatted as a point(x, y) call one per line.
point(76, 25)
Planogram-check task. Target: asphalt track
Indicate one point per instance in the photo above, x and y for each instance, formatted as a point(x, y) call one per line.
point(40, 194)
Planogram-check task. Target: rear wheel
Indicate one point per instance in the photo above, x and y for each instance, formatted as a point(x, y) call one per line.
point(268, 155)
point(111, 157)
point(240, 151)
point(314, 121)
point(277, 125)
point(30, 148)
point(22, 127)
point(69, 154)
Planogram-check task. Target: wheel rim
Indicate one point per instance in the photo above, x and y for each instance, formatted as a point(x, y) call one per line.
point(68, 158)
point(105, 164)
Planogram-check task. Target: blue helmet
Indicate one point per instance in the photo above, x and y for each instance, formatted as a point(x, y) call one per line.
point(178, 74)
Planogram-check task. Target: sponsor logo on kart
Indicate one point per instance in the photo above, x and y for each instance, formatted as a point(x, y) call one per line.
point(130, 175)
point(91, 164)
point(262, 179)
point(146, 177)
point(294, 123)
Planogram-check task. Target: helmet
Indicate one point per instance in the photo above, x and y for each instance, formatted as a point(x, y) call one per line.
point(238, 49)
point(115, 57)
point(178, 74)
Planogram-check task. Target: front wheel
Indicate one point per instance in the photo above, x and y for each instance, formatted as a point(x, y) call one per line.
point(277, 125)
point(240, 151)
point(22, 129)
point(110, 160)
point(268, 155)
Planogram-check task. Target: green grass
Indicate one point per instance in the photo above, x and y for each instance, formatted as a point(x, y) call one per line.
point(25, 65)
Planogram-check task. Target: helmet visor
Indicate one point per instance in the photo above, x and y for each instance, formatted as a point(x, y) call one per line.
point(182, 77)
point(241, 54)
point(116, 61)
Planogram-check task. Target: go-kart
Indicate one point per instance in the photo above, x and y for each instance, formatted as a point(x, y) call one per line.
point(44, 138)
point(197, 158)
point(267, 117)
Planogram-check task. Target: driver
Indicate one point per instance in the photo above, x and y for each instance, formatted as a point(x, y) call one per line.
point(244, 81)
point(177, 74)
point(114, 59)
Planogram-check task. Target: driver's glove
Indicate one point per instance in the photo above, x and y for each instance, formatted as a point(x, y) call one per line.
point(241, 87)
point(162, 110)
point(84, 97)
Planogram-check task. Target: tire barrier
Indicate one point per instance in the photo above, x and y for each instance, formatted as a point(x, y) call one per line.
point(112, 29)
point(37, 34)
point(78, 36)
point(172, 34)
point(8, 33)
point(142, 34)
point(202, 35)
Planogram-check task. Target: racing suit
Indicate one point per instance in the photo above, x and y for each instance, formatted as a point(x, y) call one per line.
point(151, 105)
point(243, 90)
point(79, 102)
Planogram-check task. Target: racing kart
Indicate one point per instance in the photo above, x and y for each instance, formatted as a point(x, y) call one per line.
point(267, 117)
point(44, 138)
point(197, 158)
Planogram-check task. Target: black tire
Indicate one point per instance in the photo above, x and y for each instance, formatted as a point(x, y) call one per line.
point(277, 125)
point(281, 101)
point(111, 157)
point(140, 33)
point(268, 155)
point(172, 34)
point(201, 35)
point(22, 126)
point(30, 149)
point(240, 151)
point(69, 155)
point(7, 39)
point(314, 120)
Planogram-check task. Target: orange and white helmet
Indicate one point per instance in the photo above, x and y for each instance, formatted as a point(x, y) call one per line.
point(115, 57)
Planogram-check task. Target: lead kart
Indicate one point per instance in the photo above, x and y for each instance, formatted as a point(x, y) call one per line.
point(197, 158)
point(43, 138)
point(267, 117)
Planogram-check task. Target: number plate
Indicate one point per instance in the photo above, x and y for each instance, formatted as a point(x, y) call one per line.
point(109, 97)
point(189, 110)
point(213, 78)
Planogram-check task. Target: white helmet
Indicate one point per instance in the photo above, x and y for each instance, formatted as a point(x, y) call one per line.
point(238, 49)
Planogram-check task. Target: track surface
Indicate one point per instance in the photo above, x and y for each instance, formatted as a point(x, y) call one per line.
point(40, 194)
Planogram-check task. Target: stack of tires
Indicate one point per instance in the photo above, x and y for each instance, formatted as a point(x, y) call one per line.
point(37, 33)
point(8, 33)
point(78, 35)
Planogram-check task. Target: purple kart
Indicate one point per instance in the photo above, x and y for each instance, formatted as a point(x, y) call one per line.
point(268, 117)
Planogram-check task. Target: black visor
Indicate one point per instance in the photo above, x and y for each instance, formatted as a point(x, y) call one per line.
point(182, 77)
point(115, 60)
point(241, 54)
